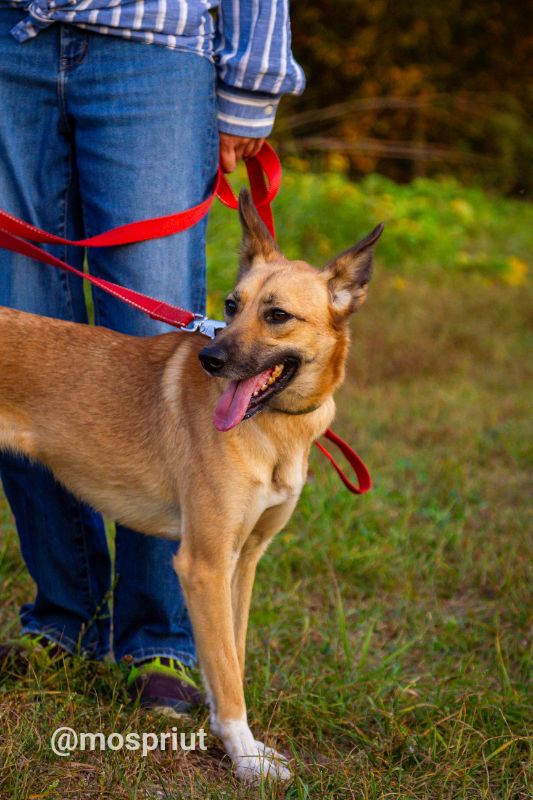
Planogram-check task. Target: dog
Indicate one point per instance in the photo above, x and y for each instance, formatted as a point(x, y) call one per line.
point(205, 443)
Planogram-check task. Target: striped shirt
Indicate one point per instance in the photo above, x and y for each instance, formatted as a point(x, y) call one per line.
point(248, 40)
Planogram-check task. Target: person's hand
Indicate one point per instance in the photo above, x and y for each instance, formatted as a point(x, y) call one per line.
point(233, 148)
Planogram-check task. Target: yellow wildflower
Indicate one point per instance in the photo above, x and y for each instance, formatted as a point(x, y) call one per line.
point(516, 272)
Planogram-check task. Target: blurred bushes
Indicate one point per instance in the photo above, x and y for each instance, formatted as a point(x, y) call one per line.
point(414, 89)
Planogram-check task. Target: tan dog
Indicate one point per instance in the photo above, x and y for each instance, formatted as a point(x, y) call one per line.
point(136, 427)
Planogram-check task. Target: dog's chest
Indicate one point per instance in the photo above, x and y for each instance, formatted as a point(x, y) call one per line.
point(287, 480)
point(279, 468)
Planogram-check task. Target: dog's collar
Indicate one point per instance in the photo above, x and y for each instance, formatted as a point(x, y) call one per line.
point(296, 413)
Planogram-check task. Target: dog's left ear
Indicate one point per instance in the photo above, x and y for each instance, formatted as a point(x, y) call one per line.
point(349, 274)
point(256, 238)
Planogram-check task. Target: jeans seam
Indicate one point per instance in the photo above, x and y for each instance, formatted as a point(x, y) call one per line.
point(61, 94)
point(93, 603)
point(61, 83)
point(145, 653)
point(208, 173)
point(65, 277)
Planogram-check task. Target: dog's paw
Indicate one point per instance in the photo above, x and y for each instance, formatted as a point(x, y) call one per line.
point(270, 752)
point(252, 760)
point(265, 763)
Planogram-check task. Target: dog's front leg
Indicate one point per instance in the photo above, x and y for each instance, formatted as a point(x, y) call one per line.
point(241, 593)
point(270, 523)
point(205, 572)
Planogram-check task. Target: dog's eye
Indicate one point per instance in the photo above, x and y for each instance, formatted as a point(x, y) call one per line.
point(230, 307)
point(277, 315)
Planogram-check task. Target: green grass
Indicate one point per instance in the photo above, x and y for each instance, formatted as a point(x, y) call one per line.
point(391, 642)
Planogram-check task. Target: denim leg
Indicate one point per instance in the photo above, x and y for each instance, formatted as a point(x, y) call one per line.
point(146, 146)
point(63, 544)
point(62, 540)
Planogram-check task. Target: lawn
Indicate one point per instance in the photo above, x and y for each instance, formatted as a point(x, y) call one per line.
point(391, 644)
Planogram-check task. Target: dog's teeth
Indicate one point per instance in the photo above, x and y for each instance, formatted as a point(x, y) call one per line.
point(274, 375)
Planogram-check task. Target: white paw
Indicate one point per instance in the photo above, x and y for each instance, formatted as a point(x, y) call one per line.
point(252, 760)
point(264, 763)
point(270, 752)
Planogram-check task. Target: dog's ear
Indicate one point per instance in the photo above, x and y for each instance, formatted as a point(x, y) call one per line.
point(349, 274)
point(256, 239)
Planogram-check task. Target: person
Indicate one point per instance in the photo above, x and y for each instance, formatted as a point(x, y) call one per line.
point(97, 130)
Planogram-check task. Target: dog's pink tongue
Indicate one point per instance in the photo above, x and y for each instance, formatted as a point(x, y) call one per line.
point(232, 405)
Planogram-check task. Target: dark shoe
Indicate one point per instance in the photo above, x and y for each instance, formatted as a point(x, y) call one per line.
point(16, 654)
point(164, 686)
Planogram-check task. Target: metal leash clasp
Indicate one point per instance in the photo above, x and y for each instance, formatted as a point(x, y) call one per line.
point(204, 325)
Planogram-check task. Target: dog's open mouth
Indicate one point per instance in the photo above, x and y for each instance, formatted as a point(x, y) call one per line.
point(243, 399)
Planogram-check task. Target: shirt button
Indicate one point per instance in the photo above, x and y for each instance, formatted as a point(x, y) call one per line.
point(269, 109)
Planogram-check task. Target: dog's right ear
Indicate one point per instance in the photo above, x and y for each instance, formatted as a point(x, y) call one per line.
point(256, 239)
point(349, 274)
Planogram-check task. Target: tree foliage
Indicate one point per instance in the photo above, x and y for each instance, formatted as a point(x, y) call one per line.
point(414, 88)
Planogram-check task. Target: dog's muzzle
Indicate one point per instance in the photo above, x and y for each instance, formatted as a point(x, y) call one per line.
point(213, 358)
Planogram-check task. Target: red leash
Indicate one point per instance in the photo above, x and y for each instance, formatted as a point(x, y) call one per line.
point(264, 174)
point(358, 466)
point(266, 163)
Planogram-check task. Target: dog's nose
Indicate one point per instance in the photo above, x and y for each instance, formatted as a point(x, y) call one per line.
point(213, 358)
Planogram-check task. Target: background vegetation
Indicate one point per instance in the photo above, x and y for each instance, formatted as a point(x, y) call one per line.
point(418, 88)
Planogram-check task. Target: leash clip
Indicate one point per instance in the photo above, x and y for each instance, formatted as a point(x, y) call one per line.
point(204, 325)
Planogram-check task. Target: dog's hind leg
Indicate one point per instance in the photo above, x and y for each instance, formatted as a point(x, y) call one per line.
point(204, 566)
point(16, 433)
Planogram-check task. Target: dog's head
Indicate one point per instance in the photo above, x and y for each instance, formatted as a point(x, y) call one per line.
point(287, 335)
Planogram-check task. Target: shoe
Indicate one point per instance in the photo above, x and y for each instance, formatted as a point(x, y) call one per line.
point(16, 654)
point(164, 686)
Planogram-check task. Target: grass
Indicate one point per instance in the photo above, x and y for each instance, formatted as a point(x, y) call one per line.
point(391, 641)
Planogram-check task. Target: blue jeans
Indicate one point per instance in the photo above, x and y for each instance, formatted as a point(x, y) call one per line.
point(97, 131)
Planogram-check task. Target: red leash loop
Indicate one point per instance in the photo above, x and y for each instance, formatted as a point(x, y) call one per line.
point(265, 165)
point(264, 174)
point(363, 475)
